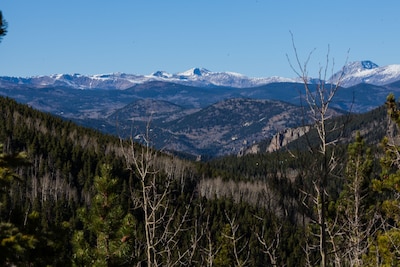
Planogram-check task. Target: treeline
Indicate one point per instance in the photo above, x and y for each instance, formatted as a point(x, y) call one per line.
point(72, 196)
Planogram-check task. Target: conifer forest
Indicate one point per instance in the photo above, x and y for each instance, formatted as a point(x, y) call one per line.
point(72, 196)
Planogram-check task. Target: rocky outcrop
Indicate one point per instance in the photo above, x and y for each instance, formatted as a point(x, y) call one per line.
point(285, 137)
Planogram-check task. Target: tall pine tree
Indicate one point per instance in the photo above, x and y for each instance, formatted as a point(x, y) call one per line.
point(105, 237)
point(385, 245)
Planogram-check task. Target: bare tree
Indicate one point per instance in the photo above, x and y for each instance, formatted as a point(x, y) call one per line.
point(210, 250)
point(318, 100)
point(270, 247)
point(162, 223)
point(238, 250)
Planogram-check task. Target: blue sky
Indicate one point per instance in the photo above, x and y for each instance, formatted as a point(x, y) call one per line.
point(143, 36)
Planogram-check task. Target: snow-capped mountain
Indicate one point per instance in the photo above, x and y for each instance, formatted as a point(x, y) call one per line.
point(199, 77)
point(366, 72)
point(76, 81)
point(353, 73)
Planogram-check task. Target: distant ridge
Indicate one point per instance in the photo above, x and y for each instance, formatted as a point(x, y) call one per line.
point(198, 77)
point(355, 73)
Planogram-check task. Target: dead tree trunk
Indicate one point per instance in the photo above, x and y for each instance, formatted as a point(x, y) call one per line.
point(318, 101)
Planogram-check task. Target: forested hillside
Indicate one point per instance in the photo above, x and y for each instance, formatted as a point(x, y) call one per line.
point(82, 190)
point(72, 196)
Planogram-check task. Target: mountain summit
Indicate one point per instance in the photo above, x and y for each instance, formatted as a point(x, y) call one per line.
point(195, 72)
point(368, 72)
point(355, 67)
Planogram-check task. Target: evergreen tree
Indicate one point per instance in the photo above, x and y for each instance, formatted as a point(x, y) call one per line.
point(105, 238)
point(3, 26)
point(13, 243)
point(224, 256)
point(385, 246)
point(355, 219)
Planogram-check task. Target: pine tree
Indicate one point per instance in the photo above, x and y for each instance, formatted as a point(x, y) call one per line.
point(13, 242)
point(105, 237)
point(355, 220)
point(3, 26)
point(385, 246)
point(224, 256)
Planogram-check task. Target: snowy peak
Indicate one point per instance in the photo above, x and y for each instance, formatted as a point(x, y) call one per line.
point(191, 74)
point(366, 72)
point(202, 77)
point(195, 72)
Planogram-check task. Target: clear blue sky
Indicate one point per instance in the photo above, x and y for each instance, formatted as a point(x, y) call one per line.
point(143, 36)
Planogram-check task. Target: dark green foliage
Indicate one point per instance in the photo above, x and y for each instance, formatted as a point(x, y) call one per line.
point(76, 198)
point(106, 234)
point(385, 243)
point(224, 257)
point(64, 160)
point(3, 26)
point(14, 244)
point(352, 215)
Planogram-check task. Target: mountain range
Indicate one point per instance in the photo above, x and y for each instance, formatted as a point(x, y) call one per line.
point(354, 73)
point(198, 77)
point(198, 112)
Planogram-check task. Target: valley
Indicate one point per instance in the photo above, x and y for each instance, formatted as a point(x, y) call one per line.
point(198, 112)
